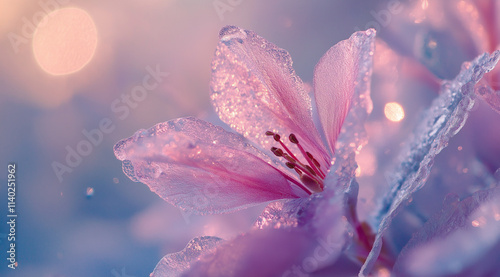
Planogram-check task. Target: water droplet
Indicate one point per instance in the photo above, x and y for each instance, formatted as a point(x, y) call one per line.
point(90, 192)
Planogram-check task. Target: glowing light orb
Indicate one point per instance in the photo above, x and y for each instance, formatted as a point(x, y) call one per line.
point(394, 111)
point(65, 41)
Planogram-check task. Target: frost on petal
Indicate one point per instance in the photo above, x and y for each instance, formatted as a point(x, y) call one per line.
point(443, 120)
point(282, 214)
point(173, 265)
point(201, 167)
point(269, 252)
point(462, 240)
point(321, 216)
point(255, 89)
point(343, 71)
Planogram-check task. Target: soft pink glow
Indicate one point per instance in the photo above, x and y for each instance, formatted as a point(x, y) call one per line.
point(65, 41)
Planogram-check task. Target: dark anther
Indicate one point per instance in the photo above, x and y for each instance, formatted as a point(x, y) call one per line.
point(310, 155)
point(290, 165)
point(276, 137)
point(293, 139)
point(311, 183)
point(269, 133)
point(276, 151)
point(310, 170)
point(316, 163)
point(288, 158)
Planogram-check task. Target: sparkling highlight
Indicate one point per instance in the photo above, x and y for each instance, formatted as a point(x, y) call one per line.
point(394, 112)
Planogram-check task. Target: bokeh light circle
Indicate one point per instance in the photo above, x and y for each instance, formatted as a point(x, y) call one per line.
point(65, 41)
point(394, 111)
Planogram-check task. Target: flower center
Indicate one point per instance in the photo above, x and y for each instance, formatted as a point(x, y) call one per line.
point(309, 172)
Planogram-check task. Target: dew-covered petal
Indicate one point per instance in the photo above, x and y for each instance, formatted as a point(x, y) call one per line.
point(343, 70)
point(446, 116)
point(461, 240)
point(255, 89)
point(269, 252)
point(321, 216)
point(201, 167)
point(174, 264)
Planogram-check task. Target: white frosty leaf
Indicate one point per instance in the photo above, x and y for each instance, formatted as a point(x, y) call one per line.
point(443, 120)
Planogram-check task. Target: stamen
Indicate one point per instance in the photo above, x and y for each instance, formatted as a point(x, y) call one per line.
point(299, 184)
point(289, 159)
point(310, 174)
point(293, 139)
point(316, 163)
point(310, 170)
point(309, 157)
point(298, 171)
point(305, 171)
point(276, 151)
point(311, 183)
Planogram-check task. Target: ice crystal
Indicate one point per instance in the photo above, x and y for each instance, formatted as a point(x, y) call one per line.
point(444, 119)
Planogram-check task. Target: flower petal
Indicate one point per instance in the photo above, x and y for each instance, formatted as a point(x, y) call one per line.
point(255, 89)
point(270, 252)
point(175, 264)
point(461, 240)
point(343, 70)
point(321, 216)
point(201, 167)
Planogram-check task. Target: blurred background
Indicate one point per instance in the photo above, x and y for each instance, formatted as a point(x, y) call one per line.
point(77, 76)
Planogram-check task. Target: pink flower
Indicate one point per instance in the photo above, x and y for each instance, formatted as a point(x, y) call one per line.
point(280, 154)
